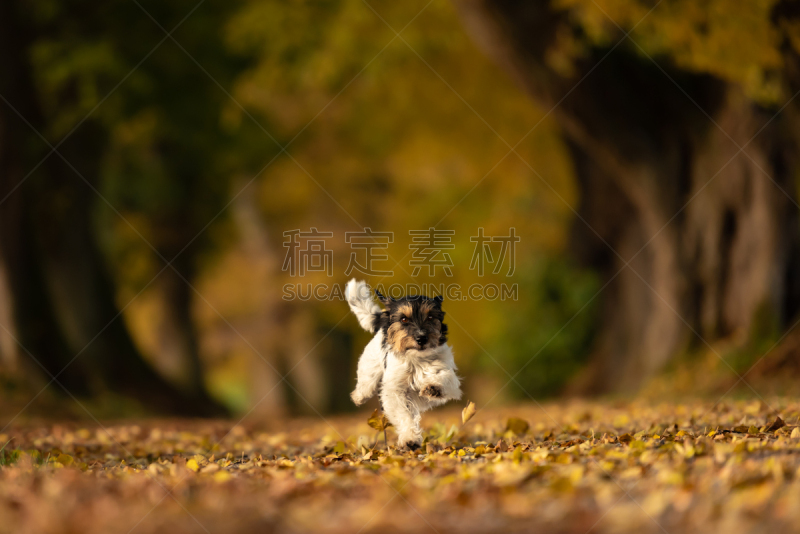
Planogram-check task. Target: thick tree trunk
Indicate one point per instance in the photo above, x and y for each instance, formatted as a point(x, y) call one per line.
point(179, 336)
point(33, 324)
point(82, 295)
point(61, 297)
point(677, 276)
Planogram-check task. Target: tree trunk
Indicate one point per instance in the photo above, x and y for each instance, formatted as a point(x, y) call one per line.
point(61, 296)
point(677, 277)
point(179, 336)
point(33, 324)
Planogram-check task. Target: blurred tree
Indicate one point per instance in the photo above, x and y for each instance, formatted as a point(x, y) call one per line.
point(57, 62)
point(379, 139)
point(703, 207)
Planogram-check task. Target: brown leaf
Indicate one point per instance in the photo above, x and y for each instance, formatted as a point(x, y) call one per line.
point(517, 426)
point(775, 425)
point(378, 420)
point(625, 438)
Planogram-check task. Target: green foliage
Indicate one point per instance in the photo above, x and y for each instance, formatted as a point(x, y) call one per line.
point(8, 457)
point(765, 330)
point(549, 331)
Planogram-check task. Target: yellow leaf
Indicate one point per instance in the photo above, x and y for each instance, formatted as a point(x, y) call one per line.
point(562, 458)
point(516, 425)
point(192, 464)
point(670, 477)
point(468, 412)
point(222, 476)
point(562, 485)
point(378, 420)
point(795, 432)
point(64, 459)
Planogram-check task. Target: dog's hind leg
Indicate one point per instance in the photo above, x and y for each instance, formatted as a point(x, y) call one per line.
point(370, 371)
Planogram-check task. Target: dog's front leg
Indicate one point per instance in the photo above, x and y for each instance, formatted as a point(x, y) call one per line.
point(441, 384)
point(370, 371)
point(403, 414)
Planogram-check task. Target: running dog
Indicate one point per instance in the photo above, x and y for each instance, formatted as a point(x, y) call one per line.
point(408, 358)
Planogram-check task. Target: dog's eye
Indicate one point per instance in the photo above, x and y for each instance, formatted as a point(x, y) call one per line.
point(430, 318)
point(404, 320)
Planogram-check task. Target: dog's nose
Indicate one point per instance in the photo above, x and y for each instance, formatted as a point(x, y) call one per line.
point(422, 339)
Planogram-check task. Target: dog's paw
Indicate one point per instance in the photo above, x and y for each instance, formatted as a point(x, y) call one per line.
point(432, 392)
point(358, 399)
point(412, 445)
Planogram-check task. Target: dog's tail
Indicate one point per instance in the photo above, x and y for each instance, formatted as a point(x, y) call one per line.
point(359, 297)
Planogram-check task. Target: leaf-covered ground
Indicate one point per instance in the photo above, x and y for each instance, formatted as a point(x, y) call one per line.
point(571, 467)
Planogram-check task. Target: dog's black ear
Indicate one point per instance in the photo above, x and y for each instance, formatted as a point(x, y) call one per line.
point(386, 301)
point(438, 299)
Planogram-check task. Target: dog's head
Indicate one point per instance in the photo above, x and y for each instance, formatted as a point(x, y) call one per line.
point(413, 322)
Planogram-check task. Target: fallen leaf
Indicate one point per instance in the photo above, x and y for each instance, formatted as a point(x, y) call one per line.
point(517, 426)
point(468, 412)
point(775, 425)
point(378, 420)
point(222, 476)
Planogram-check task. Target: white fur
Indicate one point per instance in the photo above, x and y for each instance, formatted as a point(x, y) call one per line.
point(402, 378)
point(359, 297)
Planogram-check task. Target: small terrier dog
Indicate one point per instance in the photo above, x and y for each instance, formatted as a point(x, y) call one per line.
point(408, 358)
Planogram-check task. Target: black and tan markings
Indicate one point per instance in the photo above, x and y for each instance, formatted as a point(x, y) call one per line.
point(413, 322)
